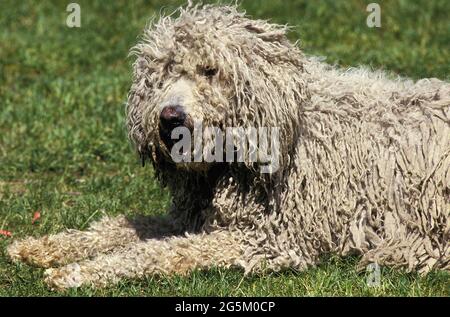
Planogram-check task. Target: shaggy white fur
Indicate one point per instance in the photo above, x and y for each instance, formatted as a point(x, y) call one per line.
point(364, 166)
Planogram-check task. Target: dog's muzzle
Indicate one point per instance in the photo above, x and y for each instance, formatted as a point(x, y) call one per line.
point(171, 117)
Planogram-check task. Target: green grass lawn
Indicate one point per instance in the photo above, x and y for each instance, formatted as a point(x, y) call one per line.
point(63, 145)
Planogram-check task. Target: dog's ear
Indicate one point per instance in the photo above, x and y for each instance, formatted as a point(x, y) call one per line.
point(140, 92)
point(135, 129)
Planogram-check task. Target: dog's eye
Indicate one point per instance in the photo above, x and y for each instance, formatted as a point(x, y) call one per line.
point(148, 84)
point(209, 71)
point(160, 85)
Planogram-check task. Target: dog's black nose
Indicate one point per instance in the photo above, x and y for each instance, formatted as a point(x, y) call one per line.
point(172, 117)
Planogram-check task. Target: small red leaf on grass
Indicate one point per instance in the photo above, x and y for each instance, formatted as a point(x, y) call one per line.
point(36, 216)
point(5, 233)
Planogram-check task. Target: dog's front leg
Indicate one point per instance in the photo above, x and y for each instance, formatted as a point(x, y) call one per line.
point(176, 255)
point(74, 245)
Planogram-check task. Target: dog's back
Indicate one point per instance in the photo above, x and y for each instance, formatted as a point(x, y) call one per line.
point(374, 165)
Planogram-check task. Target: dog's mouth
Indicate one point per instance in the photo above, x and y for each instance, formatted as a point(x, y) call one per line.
point(183, 154)
point(165, 131)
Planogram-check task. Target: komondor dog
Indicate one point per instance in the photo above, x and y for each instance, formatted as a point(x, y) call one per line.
point(362, 164)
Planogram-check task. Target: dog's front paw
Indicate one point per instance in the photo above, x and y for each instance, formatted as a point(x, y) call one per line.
point(15, 251)
point(30, 250)
point(66, 277)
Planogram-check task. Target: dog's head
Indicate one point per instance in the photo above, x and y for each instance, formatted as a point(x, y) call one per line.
point(214, 69)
